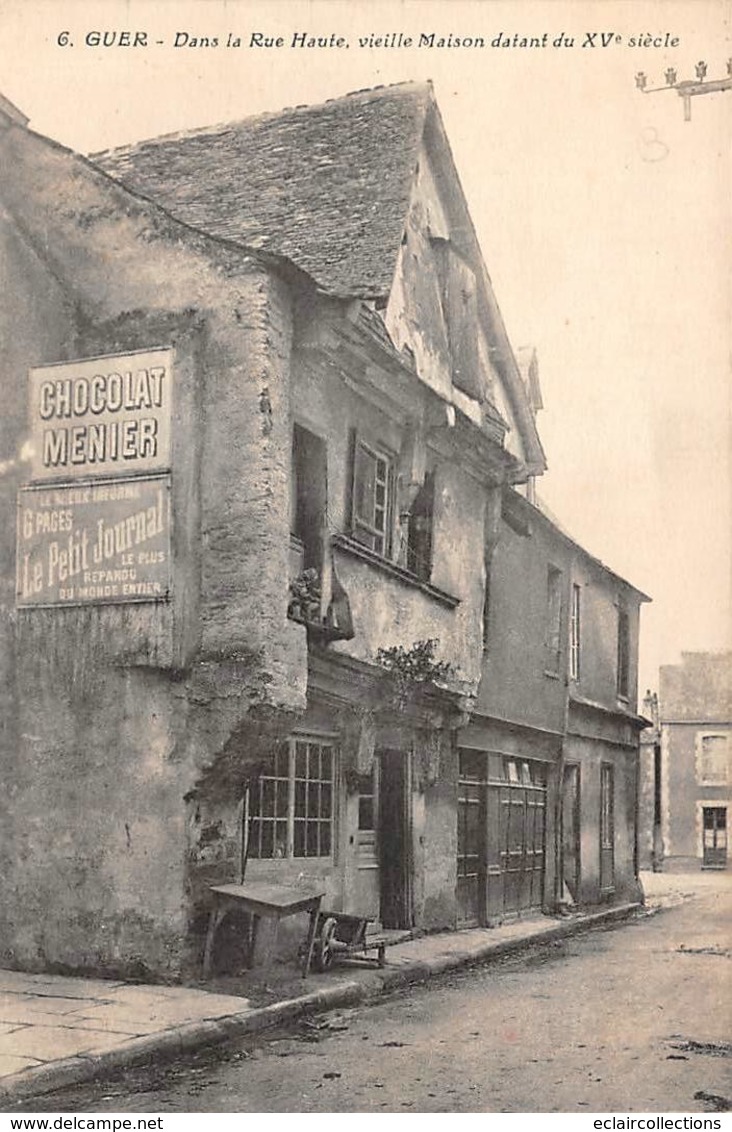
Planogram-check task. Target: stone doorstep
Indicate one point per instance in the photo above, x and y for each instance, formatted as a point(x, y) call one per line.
point(119, 1050)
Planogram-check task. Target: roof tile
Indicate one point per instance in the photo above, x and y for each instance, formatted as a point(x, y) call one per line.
point(325, 186)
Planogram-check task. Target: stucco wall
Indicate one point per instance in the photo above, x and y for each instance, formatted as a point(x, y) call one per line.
point(519, 681)
point(121, 720)
point(387, 610)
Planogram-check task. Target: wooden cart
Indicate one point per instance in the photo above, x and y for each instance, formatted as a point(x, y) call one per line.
point(340, 936)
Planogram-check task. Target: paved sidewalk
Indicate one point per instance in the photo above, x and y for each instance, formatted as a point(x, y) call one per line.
point(57, 1031)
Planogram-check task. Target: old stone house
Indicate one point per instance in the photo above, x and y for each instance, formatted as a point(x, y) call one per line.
point(686, 764)
point(264, 429)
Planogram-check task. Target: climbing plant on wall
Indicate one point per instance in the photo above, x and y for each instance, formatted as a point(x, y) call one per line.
point(409, 667)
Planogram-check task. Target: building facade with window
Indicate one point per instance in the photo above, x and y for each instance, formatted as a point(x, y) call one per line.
point(548, 762)
point(691, 776)
point(263, 428)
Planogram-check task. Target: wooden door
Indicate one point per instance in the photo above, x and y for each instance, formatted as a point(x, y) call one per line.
point(368, 891)
point(395, 839)
point(471, 851)
point(522, 824)
point(571, 831)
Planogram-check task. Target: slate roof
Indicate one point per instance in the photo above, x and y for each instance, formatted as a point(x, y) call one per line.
point(325, 186)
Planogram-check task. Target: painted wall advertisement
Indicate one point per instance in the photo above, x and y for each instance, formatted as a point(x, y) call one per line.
point(100, 425)
point(86, 544)
point(101, 416)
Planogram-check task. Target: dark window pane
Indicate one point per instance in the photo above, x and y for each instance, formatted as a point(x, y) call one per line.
point(312, 839)
point(282, 760)
point(281, 799)
point(326, 801)
point(280, 845)
point(299, 850)
point(326, 769)
point(301, 760)
point(267, 839)
point(300, 792)
point(313, 798)
point(314, 765)
point(365, 812)
point(254, 832)
point(325, 839)
point(268, 789)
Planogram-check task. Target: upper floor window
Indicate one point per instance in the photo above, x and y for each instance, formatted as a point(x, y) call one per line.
point(623, 663)
point(291, 804)
point(308, 496)
point(372, 506)
point(553, 631)
point(419, 530)
point(575, 632)
point(713, 760)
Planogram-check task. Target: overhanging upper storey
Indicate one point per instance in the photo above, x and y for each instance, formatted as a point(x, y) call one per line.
point(361, 193)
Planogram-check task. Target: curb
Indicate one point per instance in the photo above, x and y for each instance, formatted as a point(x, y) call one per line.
point(196, 1035)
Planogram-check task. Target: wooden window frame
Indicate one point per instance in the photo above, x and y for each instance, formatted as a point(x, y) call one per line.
point(365, 529)
point(285, 820)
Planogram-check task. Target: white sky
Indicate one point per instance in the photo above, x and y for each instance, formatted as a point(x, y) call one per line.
point(604, 220)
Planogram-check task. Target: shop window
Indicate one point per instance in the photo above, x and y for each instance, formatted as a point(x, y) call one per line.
point(419, 530)
point(575, 633)
point(291, 805)
point(713, 760)
point(553, 636)
point(623, 668)
point(372, 501)
point(308, 496)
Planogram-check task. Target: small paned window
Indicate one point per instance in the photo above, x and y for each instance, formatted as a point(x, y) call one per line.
point(372, 502)
point(291, 806)
point(575, 633)
point(623, 654)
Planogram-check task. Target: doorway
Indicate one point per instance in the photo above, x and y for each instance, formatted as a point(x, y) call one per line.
point(571, 831)
point(714, 821)
point(395, 838)
point(471, 838)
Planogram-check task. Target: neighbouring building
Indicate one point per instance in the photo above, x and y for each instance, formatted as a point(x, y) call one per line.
point(549, 761)
point(274, 600)
point(693, 770)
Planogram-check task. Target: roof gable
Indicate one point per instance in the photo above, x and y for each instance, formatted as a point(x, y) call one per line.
point(325, 186)
point(331, 188)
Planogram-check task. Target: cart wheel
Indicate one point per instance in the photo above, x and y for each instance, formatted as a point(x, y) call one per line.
point(322, 951)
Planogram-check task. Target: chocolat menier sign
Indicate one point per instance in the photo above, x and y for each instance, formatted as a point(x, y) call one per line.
point(94, 527)
point(101, 416)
